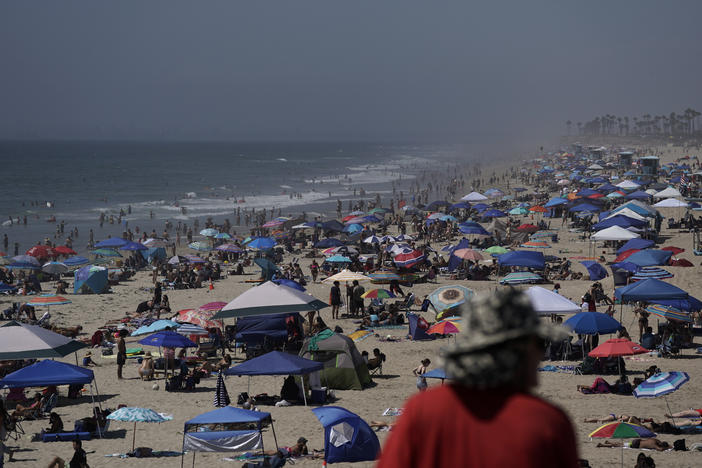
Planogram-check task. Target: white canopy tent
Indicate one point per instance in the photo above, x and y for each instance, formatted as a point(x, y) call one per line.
point(547, 302)
point(669, 192)
point(615, 233)
point(474, 197)
point(671, 203)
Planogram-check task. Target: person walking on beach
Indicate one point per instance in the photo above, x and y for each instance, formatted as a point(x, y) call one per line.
point(121, 352)
point(335, 299)
point(419, 372)
point(493, 366)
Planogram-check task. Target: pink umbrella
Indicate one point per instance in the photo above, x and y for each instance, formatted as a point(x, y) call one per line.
point(212, 306)
point(468, 254)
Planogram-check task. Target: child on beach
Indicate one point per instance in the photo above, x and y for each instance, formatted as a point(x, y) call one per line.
point(419, 372)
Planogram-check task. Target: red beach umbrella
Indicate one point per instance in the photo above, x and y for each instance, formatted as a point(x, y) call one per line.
point(41, 251)
point(64, 250)
point(675, 250)
point(624, 255)
point(617, 347)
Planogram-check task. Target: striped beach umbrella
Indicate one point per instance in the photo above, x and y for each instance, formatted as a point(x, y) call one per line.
point(189, 329)
point(384, 276)
point(668, 312)
point(661, 384)
point(194, 259)
point(209, 232)
point(378, 294)
point(468, 254)
point(221, 398)
point(135, 415)
point(47, 300)
point(521, 277)
point(621, 430)
point(651, 272)
point(232, 248)
point(408, 260)
point(536, 245)
point(346, 275)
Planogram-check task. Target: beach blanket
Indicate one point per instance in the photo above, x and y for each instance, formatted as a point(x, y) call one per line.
point(154, 454)
point(564, 369)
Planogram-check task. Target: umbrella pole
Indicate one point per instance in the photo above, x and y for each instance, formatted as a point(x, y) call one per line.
point(275, 439)
point(194, 459)
point(76, 355)
point(134, 436)
point(669, 411)
point(304, 394)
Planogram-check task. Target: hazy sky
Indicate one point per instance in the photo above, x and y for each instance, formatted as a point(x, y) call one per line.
point(339, 70)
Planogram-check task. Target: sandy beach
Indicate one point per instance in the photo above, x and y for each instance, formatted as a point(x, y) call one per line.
point(389, 390)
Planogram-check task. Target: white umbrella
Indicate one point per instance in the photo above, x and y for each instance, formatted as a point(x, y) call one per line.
point(54, 268)
point(346, 275)
point(154, 243)
point(21, 341)
point(474, 196)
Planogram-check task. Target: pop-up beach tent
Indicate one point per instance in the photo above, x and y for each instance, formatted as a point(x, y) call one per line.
point(418, 327)
point(523, 258)
point(636, 244)
point(650, 290)
point(344, 367)
point(270, 298)
point(277, 363)
point(48, 372)
point(90, 279)
point(347, 437)
point(244, 431)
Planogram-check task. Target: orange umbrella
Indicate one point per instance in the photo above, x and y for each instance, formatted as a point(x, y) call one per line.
point(572, 196)
point(538, 209)
point(445, 327)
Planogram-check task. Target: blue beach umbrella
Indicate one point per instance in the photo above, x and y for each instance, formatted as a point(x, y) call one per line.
point(591, 323)
point(168, 339)
point(133, 246)
point(135, 415)
point(209, 232)
point(76, 261)
point(111, 243)
point(661, 384)
point(158, 325)
point(261, 243)
point(105, 252)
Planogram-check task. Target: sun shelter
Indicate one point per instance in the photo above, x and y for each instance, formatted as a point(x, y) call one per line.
point(523, 258)
point(637, 244)
point(547, 302)
point(270, 298)
point(243, 433)
point(49, 372)
point(268, 268)
point(418, 327)
point(650, 257)
point(344, 367)
point(277, 363)
point(347, 437)
point(90, 279)
point(22, 341)
point(650, 290)
point(614, 233)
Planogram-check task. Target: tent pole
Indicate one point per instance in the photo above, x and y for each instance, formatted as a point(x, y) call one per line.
point(76, 355)
point(193, 459)
point(97, 419)
point(182, 454)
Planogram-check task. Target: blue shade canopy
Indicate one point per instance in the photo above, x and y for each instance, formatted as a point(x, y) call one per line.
point(229, 414)
point(649, 257)
point(436, 374)
point(76, 261)
point(590, 323)
point(276, 363)
point(651, 290)
point(168, 339)
point(261, 243)
point(111, 243)
point(638, 244)
point(460, 206)
point(585, 207)
point(329, 242)
point(619, 220)
point(474, 230)
point(158, 325)
point(45, 373)
point(290, 284)
point(523, 258)
point(596, 271)
point(556, 202)
point(494, 214)
point(92, 279)
point(628, 266)
point(347, 437)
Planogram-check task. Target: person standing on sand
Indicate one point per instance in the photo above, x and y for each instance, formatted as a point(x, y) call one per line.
point(493, 365)
point(335, 299)
point(121, 352)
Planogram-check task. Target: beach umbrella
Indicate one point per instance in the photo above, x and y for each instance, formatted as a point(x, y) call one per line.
point(221, 397)
point(468, 254)
point(402, 238)
point(384, 276)
point(54, 268)
point(661, 384)
point(26, 259)
point(106, 252)
point(378, 294)
point(22, 341)
point(408, 260)
point(202, 318)
point(595, 270)
point(496, 250)
point(135, 415)
point(617, 347)
point(133, 246)
point(460, 206)
point(669, 312)
point(64, 250)
point(233, 248)
point(493, 213)
point(153, 243)
point(449, 296)
point(158, 325)
point(651, 272)
point(536, 245)
point(169, 339)
point(521, 277)
point(215, 306)
point(289, 284)
point(372, 240)
point(337, 259)
point(527, 228)
point(353, 228)
point(177, 259)
point(518, 211)
point(473, 230)
point(592, 323)
point(209, 232)
point(222, 235)
point(47, 300)
point(200, 246)
point(190, 329)
point(448, 218)
point(447, 248)
point(76, 261)
point(445, 327)
point(538, 209)
point(346, 275)
point(261, 243)
point(621, 430)
point(328, 242)
point(547, 302)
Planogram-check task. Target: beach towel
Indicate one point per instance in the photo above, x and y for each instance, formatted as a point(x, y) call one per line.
point(392, 412)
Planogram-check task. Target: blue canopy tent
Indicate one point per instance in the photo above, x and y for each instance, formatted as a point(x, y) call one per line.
point(619, 220)
point(244, 431)
point(650, 257)
point(347, 437)
point(111, 243)
point(460, 206)
point(596, 271)
point(277, 363)
point(523, 258)
point(636, 243)
point(638, 195)
point(253, 330)
point(475, 230)
point(90, 280)
point(556, 202)
point(50, 372)
point(649, 290)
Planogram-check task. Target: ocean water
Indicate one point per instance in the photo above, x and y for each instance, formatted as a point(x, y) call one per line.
point(75, 181)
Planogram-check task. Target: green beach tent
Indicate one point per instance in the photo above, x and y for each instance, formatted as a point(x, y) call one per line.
point(344, 367)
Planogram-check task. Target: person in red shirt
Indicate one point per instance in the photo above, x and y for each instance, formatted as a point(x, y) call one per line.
point(486, 417)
